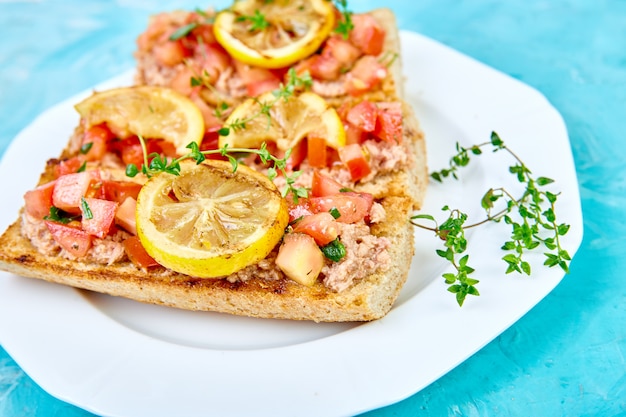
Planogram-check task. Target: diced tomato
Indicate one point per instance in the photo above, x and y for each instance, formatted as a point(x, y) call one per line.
point(256, 79)
point(94, 144)
point(316, 151)
point(332, 157)
point(131, 152)
point(70, 188)
point(365, 75)
point(166, 147)
point(95, 190)
point(369, 198)
point(363, 116)
point(389, 123)
point(323, 185)
point(342, 50)
point(137, 254)
point(181, 82)
point(98, 216)
point(351, 207)
point(298, 153)
point(125, 215)
point(300, 258)
point(354, 134)
point(320, 226)
point(118, 191)
point(367, 34)
point(298, 210)
point(214, 60)
point(323, 66)
point(74, 240)
point(69, 166)
point(39, 200)
point(257, 88)
point(205, 33)
point(355, 159)
point(211, 142)
point(170, 53)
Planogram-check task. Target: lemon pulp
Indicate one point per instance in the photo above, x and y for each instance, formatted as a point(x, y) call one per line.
point(147, 111)
point(285, 31)
point(209, 222)
point(288, 123)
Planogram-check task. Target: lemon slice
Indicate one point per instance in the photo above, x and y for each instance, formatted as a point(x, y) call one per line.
point(209, 221)
point(288, 123)
point(148, 111)
point(274, 34)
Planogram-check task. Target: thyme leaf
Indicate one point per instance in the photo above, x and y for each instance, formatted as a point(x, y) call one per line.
point(345, 25)
point(183, 31)
point(257, 21)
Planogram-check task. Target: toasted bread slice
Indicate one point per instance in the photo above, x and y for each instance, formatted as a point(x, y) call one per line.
point(399, 191)
point(393, 182)
point(369, 299)
point(151, 70)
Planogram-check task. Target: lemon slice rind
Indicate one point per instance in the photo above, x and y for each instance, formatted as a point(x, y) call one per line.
point(206, 259)
point(147, 111)
point(290, 121)
point(318, 30)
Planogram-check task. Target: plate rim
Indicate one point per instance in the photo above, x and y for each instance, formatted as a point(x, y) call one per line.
point(395, 321)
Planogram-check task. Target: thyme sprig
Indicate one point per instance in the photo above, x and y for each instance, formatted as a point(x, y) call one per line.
point(155, 163)
point(185, 30)
point(345, 25)
point(285, 91)
point(257, 21)
point(531, 217)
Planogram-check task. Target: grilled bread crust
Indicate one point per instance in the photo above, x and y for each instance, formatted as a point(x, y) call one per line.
point(367, 299)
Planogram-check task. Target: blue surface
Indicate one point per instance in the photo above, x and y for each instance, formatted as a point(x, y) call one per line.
point(566, 356)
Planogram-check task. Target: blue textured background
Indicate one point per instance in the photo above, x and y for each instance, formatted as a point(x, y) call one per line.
point(565, 357)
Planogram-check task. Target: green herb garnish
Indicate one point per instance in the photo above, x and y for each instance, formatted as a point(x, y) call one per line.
point(257, 21)
point(335, 250)
point(531, 217)
point(84, 207)
point(60, 216)
point(86, 147)
point(183, 31)
point(345, 25)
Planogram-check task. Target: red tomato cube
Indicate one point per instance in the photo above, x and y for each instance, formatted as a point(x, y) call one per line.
point(74, 240)
point(70, 188)
point(356, 160)
point(98, 216)
point(39, 200)
point(320, 226)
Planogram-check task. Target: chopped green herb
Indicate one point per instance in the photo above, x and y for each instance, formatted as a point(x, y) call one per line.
point(335, 213)
point(59, 216)
point(86, 147)
point(335, 250)
point(345, 25)
point(84, 207)
point(258, 21)
point(183, 31)
point(195, 81)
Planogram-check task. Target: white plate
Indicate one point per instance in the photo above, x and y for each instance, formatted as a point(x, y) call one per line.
point(120, 358)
